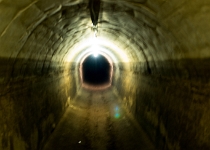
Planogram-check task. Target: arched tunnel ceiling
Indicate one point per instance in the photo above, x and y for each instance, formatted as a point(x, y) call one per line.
point(146, 30)
point(165, 44)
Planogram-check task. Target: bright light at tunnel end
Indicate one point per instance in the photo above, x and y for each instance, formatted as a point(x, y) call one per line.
point(95, 54)
point(101, 44)
point(96, 46)
point(95, 50)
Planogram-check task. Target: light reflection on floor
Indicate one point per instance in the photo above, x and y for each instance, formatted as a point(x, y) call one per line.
point(117, 112)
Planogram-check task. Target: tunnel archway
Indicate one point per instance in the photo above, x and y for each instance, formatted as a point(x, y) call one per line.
point(96, 70)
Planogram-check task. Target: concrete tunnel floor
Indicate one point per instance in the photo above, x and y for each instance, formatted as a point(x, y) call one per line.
point(96, 120)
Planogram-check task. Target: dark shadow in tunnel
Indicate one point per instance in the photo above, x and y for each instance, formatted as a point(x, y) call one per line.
point(96, 70)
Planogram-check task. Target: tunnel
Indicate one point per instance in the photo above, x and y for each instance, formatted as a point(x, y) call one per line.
point(96, 71)
point(152, 91)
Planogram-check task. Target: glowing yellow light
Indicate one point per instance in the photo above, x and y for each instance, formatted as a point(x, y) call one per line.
point(77, 52)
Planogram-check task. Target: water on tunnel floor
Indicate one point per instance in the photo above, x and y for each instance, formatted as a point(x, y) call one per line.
point(97, 121)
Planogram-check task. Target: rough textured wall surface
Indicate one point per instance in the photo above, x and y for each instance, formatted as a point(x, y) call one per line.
point(171, 105)
point(168, 89)
point(31, 106)
point(36, 85)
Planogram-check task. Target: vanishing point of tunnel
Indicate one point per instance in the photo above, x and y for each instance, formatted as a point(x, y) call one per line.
point(104, 75)
point(96, 70)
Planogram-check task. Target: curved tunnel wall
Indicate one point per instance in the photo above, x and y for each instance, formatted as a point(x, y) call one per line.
point(165, 80)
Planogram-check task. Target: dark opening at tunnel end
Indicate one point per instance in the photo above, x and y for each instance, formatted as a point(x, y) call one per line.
point(96, 72)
